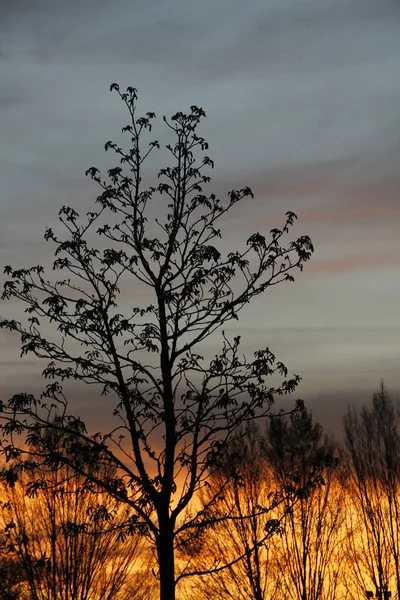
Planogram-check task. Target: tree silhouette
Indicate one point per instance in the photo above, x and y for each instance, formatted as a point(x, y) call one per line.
point(372, 440)
point(11, 578)
point(305, 461)
point(176, 408)
point(64, 536)
point(243, 489)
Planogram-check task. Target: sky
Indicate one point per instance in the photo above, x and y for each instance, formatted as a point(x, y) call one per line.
point(303, 104)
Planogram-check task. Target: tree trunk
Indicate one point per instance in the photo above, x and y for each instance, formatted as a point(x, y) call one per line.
point(166, 562)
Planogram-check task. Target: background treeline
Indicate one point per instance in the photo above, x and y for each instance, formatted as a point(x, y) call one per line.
point(63, 539)
point(295, 514)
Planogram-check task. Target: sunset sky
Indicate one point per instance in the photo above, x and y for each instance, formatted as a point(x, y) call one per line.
point(303, 105)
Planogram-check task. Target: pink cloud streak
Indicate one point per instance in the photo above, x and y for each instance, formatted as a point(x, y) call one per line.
point(345, 264)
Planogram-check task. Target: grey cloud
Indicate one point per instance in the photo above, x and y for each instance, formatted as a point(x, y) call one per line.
point(296, 91)
point(300, 79)
point(328, 407)
point(9, 98)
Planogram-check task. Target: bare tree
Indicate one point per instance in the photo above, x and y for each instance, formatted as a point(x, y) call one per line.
point(66, 538)
point(373, 486)
point(242, 492)
point(11, 578)
point(176, 408)
point(305, 463)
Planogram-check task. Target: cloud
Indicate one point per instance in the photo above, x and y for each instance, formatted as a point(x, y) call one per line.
point(9, 98)
point(302, 100)
point(348, 264)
